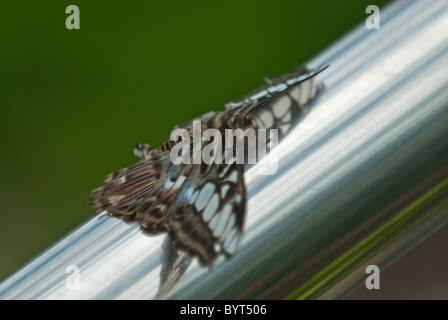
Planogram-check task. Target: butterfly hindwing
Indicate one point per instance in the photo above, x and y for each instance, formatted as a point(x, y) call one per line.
point(209, 212)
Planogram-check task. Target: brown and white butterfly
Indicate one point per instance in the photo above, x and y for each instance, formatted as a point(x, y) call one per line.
point(203, 206)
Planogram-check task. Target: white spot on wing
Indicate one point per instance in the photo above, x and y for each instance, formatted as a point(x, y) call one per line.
point(193, 197)
point(306, 91)
point(204, 196)
point(238, 199)
point(214, 221)
point(224, 190)
point(229, 227)
point(295, 93)
point(267, 120)
point(314, 88)
point(281, 107)
point(223, 219)
point(231, 249)
point(168, 184)
point(229, 238)
point(179, 182)
point(231, 242)
point(211, 208)
point(233, 177)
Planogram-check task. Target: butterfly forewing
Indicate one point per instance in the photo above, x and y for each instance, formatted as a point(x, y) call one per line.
point(279, 104)
point(136, 192)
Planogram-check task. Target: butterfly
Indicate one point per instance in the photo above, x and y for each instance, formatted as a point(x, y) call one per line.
point(203, 206)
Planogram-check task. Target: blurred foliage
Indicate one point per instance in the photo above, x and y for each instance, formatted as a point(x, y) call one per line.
point(75, 102)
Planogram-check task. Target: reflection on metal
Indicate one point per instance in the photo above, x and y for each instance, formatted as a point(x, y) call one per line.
point(362, 179)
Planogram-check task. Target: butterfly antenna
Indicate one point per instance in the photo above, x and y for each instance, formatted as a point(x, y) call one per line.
point(315, 74)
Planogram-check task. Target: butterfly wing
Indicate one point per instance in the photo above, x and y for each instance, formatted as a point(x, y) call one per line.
point(283, 112)
point(280, 103)
point(262, 93)
point(202, 206)
point(209, 211)
point(141, 192)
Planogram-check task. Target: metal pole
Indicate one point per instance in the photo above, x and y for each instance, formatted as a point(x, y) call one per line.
point(361, 179)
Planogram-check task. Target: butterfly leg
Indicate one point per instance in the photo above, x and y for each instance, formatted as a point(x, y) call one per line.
point(267, 81)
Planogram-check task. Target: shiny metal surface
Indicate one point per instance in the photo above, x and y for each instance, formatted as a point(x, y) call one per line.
point(363, 178)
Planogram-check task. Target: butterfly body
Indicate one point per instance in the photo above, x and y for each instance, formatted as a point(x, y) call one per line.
point(220, 121)
point(202, 206)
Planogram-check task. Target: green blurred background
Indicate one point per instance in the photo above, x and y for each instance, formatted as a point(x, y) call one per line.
point(73, 103)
